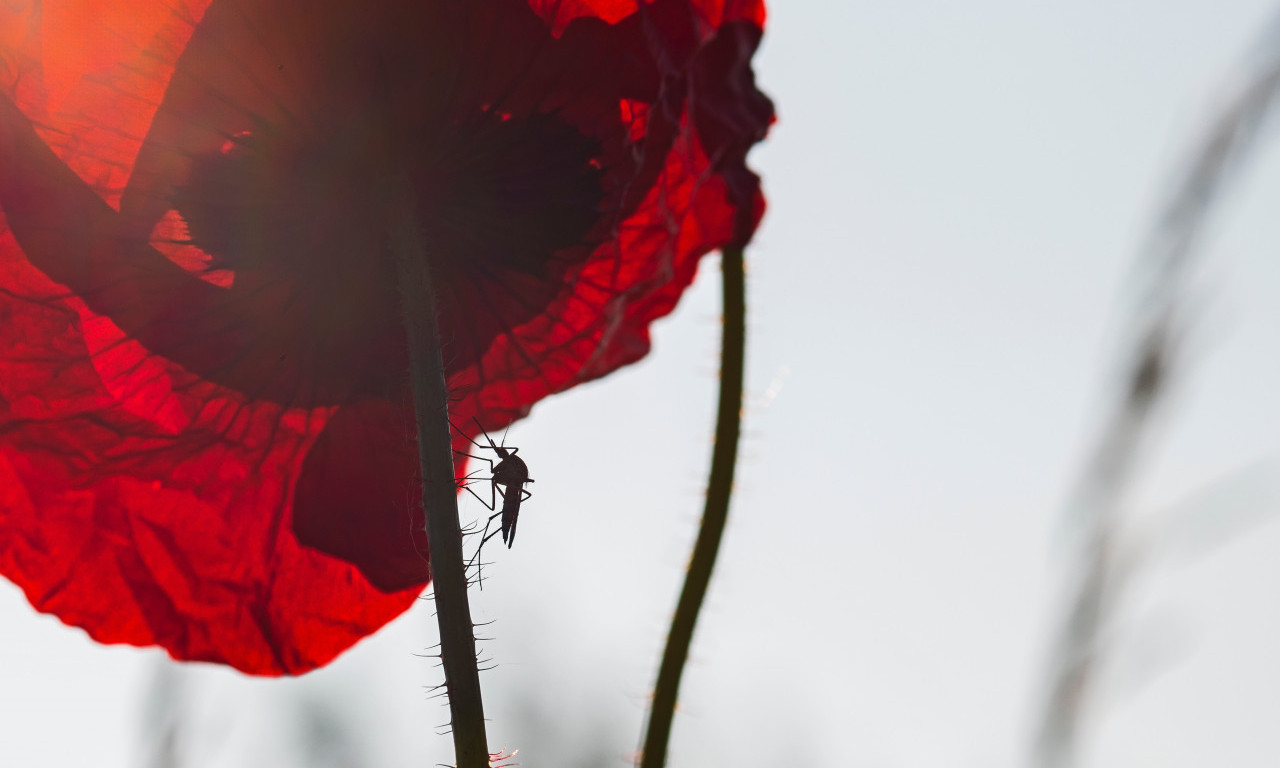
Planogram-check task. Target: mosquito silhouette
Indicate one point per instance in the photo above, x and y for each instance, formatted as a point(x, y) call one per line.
point(511, 473)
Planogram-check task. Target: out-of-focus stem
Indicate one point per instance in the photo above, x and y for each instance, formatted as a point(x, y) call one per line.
point(719, 487)
point(1167, 261)
point(1097, 510)
point(439, 491)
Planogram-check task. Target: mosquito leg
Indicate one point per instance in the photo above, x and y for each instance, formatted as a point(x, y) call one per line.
point(468, 479)
point(484, 537)
point(488, 535)
point(491, 505)
point(469, 438)
point(477, 458)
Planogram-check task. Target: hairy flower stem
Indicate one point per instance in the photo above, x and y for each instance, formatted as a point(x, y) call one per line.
point(439, 491)
point(719, 487)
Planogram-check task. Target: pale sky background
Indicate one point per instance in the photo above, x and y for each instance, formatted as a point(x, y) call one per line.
point(956, 194)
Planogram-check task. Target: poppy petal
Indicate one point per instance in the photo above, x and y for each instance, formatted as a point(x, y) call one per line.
point(204, 437)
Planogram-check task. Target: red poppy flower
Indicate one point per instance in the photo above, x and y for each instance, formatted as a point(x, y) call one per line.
point(206, 440)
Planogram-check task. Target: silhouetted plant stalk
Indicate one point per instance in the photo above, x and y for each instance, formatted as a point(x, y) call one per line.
point(719, 488)
point(439, 490)
point(1165, 265)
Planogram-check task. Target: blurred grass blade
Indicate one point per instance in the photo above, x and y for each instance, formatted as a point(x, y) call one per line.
point(1164, 265)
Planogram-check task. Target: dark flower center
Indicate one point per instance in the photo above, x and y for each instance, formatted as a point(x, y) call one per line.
point(513, 144)
point(494, 195)
point(502, 201)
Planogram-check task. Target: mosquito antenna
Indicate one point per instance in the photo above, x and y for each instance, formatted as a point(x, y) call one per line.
point(504, 436)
